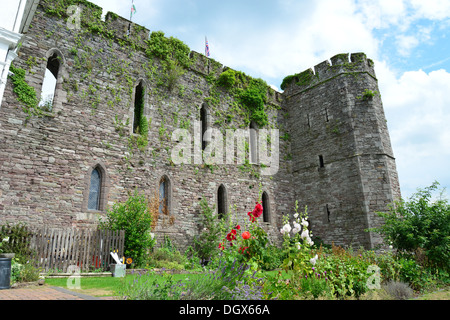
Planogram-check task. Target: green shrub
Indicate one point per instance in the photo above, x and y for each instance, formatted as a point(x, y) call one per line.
point(227, 78)
point(135, 218)
point(18, 241)
point(420, 223)
point(211, 230)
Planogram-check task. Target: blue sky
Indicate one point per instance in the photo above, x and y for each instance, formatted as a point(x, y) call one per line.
point(407, 39)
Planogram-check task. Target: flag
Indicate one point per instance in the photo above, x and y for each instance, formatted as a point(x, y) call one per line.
point(133, 9)
point(206, 47)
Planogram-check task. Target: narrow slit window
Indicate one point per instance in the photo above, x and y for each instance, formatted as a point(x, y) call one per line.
point(321, 163)
point(49, 83)
point(138, 108)
point(204, 126)
point(328, 213)
point(266, 207)
point(164, 196)
point(95, 190)
point(326, 115)
point(221, 202)
point(309, 122)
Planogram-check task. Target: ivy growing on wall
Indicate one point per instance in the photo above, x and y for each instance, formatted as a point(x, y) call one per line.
point(25, 93)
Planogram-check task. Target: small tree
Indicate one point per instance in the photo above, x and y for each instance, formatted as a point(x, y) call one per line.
point(211, 230)
point(135, 218)
point(420, 223)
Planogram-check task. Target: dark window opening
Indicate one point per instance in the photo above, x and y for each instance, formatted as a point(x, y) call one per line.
point(266, 208)
point(321, 163)
point(204, 125)
point(221, 202)
point(138, 108)
point(326, 114)
point(328, 213)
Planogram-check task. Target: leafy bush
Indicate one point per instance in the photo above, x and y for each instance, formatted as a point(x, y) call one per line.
point(227, 78)
point(18, 236)
point(211, 230)
point(420, 223)
point(135, 218)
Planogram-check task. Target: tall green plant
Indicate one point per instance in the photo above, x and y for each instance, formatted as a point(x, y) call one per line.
point(211, 229)
point(135, 218)
point(420, 223)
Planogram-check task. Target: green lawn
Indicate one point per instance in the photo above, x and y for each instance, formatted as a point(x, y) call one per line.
point(105, 286)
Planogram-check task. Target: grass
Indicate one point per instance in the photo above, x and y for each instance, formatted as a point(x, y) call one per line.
point(106, 286)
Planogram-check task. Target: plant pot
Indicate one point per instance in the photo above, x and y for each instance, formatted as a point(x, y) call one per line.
point(5, 271)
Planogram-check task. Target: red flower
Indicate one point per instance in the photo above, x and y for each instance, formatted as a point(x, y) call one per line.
point(242, 250)
point(238, 227)
point(231, 235)
point(246, 235)
point(258, 210)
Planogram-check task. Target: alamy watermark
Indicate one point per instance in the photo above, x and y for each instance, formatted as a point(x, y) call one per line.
point(373, 282)
point(261, 146)
point(74, 19)
point(74, 281)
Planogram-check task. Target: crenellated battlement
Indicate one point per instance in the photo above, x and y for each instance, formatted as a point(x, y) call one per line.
point(343, 63)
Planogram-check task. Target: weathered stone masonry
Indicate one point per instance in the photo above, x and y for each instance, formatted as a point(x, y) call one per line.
point(335, 154)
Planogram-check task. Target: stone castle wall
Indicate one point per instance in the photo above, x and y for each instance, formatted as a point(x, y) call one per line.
point(47, 158)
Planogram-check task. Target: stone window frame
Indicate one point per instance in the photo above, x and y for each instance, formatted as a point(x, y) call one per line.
point(143, 82)
point(224, 199)
point(167, 191)
point(104, 187)
point(59, 94)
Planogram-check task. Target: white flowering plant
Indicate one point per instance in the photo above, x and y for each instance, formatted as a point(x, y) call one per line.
point(297, 243)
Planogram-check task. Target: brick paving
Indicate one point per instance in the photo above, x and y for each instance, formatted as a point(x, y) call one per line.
point(45, 293)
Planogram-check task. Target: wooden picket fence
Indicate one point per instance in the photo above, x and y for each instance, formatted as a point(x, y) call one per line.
point(58, 249)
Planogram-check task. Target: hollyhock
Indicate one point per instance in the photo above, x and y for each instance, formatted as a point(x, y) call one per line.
point(258, 210)
point(246, 235)
point(304, 234)
point(296, 228)
point(304, 223)
point(286, 229)
point(313, 260)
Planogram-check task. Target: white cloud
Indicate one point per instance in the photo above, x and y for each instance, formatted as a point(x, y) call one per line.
point(417, 106)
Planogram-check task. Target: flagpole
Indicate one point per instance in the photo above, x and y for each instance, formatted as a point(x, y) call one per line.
point(131, 11)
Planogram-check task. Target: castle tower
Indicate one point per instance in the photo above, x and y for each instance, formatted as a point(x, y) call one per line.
point(342, 160)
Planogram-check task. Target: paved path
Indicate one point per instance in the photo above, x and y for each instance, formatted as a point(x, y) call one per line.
point(45, 293)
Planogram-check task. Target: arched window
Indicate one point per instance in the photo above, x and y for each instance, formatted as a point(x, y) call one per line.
point(266, 207)
point(164, 195)
point(253, 147)
point(204, 125)
point(49, 83)
point(221, 201)
point(138, 108)
point(95, 188)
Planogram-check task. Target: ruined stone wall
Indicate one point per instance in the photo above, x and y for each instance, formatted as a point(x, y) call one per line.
point(343, 165)
point(46, 158)
point(334, 148)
